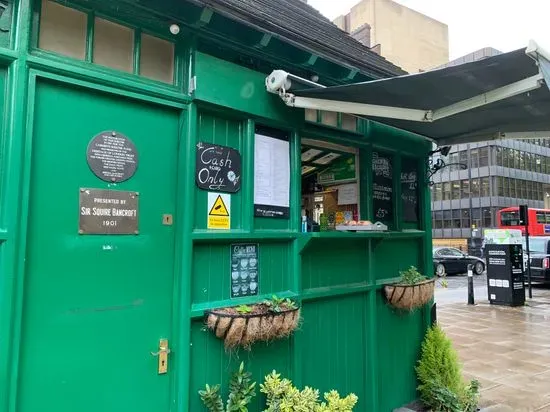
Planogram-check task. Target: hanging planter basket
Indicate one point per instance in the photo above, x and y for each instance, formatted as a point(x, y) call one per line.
point(261, 324)
point(409, 297)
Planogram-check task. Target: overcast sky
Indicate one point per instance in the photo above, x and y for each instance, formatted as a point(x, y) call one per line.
point(503, 24)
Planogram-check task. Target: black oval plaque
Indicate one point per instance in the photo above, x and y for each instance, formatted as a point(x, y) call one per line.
point(112, 156)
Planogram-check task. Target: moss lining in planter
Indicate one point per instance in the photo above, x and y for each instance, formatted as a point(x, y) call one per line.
point(244, 329)
point(410, 296)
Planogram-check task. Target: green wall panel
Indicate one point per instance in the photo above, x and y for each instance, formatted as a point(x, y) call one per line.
point(262, 223)
point(334, 346)
point(5, 223)
point(399, 339)
point(391, 256)
point(212, 274)
point(227, 84)
point(224, 132)
point(4, 142)
point(212, 364)
point(320, 268)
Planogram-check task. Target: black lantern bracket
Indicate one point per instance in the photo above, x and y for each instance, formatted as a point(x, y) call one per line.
point(435, 166)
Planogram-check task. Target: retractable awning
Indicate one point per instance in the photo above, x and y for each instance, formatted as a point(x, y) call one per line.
point(505, 96)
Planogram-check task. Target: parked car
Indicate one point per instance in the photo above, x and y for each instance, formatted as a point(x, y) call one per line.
point(451, 260)
point(539, 254)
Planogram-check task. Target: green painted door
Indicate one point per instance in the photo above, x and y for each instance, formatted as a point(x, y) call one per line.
point(96, 306)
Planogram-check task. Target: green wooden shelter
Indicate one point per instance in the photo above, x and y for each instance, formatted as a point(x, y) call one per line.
point(147, 176)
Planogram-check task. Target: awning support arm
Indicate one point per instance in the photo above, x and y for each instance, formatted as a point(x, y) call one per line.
point(504, 92)
point(356, 108)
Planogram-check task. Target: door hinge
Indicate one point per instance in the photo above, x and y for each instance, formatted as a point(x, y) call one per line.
point(192, 84)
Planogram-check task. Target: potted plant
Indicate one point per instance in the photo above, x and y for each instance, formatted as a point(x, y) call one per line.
point(244, 325)
point(412, 291)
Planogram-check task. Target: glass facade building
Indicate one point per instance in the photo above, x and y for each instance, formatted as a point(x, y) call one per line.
point(498, 174)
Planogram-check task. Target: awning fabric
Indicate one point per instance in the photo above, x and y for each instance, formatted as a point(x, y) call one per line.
point(505, 96)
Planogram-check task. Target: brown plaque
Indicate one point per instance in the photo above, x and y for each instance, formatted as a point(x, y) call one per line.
point(108, 212)
point(112, 156)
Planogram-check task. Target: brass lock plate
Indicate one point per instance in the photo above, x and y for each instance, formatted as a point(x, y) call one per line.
point(163, 356)
point(167, 220)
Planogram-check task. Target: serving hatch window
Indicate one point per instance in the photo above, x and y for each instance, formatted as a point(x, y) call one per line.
point(330, 185)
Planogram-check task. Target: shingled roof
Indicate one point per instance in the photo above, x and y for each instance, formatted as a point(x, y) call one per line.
point(302, 25)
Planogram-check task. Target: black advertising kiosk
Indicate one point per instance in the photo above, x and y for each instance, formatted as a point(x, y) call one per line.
point(505, 275)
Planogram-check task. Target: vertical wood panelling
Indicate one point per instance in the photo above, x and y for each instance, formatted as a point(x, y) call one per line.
point(224, 132)
point(333, 333)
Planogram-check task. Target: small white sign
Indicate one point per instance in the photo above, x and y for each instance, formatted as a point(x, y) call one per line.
point(347, 194)
point(499, 283)
point(492, 282)
point(493, 296)
point(506, 283)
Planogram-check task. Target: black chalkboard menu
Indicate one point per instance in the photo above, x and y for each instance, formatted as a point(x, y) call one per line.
point(382, 185)
point(218, 168)
point(409, 190)
point(244, 270)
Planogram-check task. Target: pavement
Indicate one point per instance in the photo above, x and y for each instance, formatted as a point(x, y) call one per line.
point(506, 349)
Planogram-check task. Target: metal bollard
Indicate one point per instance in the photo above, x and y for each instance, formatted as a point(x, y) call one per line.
point(471, 284)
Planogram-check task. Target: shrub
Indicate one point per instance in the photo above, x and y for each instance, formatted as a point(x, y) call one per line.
point(283, 396)
point(241, 392)
point(441, 385)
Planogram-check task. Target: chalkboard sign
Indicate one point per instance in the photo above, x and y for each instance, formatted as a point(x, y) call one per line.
point(409, 190)
point(244, 270)
point(382, 185)
point(218, 168)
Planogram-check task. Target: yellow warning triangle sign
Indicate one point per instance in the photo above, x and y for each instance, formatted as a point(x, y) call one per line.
point(219, 208)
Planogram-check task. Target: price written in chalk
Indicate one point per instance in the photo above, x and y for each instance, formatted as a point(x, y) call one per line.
point(382, 186)
point(409, 190)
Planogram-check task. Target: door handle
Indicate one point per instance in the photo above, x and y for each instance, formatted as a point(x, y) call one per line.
point(162, 354)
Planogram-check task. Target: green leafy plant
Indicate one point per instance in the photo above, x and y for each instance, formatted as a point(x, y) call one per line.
point(441, 385)
point(411, 276)
point(244, 309)
point(283, 396)
point(241, 392)
point(278, 305)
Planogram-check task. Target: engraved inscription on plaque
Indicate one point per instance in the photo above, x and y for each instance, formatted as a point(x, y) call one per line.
point(108, 212)
point(112, 156)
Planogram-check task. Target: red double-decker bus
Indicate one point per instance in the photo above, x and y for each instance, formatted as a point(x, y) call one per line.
point(539, 220)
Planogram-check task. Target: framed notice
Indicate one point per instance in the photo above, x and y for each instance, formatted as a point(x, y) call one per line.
point(382, 186)
point(271, 177)
point(409, 190)
point(244, 270)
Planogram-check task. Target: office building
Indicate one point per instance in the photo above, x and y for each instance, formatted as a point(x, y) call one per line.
point(404, 36)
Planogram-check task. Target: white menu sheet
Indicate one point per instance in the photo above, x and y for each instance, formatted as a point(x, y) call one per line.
point(347, 194)
point(271, 172)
